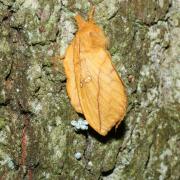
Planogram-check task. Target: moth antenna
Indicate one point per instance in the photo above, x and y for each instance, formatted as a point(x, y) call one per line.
point(80, 21)
point(91, 14)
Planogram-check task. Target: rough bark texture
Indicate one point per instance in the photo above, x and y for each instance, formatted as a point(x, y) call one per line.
point(37, 140)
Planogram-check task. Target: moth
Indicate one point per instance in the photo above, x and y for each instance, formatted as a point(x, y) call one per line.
point(93, 85)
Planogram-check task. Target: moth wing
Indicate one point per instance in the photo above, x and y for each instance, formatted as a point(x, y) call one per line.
point(70, 74)
point(101, 92)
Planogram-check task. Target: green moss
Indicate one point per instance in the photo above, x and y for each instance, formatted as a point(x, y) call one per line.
point(2, 123)
point(7, 2)
point(145, 147)
point(5, 46)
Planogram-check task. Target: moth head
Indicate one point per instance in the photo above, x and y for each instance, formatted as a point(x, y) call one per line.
point(97, 36)
point(91, 33)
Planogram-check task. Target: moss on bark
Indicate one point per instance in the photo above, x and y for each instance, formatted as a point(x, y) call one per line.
point(37, 139)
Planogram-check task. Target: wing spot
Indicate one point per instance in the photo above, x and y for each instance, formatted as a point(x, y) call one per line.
point(81, 84)
point(88, 79)
point(85, 80)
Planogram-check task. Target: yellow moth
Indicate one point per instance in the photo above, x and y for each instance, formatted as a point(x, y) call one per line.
point(93, 85)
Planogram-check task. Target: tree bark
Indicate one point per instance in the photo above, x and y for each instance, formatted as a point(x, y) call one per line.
point(37, 140)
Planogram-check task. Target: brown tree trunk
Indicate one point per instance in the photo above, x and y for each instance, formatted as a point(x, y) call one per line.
point(37, 140)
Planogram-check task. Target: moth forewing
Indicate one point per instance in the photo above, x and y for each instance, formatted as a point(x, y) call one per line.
point(99, 91)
